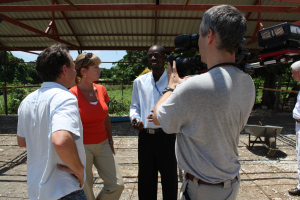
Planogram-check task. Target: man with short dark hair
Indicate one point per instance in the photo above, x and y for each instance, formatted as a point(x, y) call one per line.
point(208, 111)
point(296, 115)
point(156, 149)
point(49, 126)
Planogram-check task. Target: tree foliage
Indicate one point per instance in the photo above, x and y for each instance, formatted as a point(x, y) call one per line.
point(17, 69)
point(17, 73)
point(132, 65)
point(128, 68)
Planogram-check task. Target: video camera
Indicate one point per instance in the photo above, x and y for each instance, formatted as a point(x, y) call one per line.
point(193, 65)
point(279, 43)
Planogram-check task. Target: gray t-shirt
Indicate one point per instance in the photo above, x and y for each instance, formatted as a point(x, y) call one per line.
point(208, 111)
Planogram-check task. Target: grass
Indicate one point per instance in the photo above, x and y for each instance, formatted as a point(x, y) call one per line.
point(2, 108)
point(114, 93)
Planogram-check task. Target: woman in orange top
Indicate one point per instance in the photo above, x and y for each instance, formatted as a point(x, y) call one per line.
point(97, 138)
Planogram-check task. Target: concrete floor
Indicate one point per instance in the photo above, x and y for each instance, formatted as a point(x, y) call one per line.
point(261, 177)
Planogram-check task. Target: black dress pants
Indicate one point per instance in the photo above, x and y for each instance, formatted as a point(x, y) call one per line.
point(156, 152)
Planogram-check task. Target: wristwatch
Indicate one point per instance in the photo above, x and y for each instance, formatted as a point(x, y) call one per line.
point(167, 89)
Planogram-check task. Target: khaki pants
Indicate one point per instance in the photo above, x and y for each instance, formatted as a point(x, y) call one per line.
point(192, 190)
point(104, 160)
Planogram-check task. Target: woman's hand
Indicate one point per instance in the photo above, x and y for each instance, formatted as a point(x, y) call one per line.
point(111, 144)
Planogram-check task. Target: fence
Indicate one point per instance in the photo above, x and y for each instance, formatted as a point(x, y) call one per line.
point(6, 88)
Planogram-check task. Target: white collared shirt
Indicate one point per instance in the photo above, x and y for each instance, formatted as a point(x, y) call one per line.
point(49, 109)
point(145, 94)
point(296, 111)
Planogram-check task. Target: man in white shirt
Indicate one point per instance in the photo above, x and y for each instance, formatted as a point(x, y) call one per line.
point(156, 149)
point(296, 115)
point(49, 126)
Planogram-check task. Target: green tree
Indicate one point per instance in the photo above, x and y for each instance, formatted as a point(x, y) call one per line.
point(128, 68)
point(16, 69)
point(32, 73)
point(267, 77)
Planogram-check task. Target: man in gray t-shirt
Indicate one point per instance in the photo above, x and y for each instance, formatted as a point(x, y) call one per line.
point(208, 111)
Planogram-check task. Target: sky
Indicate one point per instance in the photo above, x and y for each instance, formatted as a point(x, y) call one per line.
point(105, 56)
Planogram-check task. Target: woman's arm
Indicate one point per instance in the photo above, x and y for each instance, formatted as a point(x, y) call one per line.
point(107, 124)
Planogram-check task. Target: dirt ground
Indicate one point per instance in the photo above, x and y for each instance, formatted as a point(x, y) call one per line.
point(261, 177)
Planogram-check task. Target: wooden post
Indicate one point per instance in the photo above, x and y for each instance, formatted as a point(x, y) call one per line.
point(278, 93)
point(4, 90)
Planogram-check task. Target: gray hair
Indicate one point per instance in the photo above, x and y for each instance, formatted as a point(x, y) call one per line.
point(227, 23)
point(296, 66)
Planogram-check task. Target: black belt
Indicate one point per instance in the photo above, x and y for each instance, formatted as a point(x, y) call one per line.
point(153, 131)
point(297, 120)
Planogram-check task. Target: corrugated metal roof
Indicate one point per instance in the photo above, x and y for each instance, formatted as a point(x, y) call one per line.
point(122, 29)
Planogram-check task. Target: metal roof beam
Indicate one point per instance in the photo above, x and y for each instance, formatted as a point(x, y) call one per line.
point(249, 14)
point(258, 27)
point(97, 48)
point(106, 7)
point(170, 18)
point(70, 26)
point(71, 4)
point(25, 26)
point(290, 1)
point(97, 35)
point(297, 23)
point(15, 49)
point(49, 27)
point(155, 27)
point(292, 9)
point(84, 35)
point(185, 5)
point(104, 48)
point(11, 1)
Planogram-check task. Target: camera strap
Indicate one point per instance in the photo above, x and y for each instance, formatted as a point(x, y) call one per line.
point(224, 64)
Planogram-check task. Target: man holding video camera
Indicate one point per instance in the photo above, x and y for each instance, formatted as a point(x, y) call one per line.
point(208, 111)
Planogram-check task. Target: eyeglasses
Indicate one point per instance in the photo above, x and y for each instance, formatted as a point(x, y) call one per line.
point(88, 55)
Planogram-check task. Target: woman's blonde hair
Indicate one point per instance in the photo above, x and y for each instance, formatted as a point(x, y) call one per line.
point(83, 62)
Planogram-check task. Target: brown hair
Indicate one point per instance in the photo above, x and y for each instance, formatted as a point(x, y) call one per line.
point(94, 60)
point(49, 63)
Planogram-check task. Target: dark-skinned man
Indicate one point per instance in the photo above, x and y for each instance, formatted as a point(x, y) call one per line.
point(156, 149)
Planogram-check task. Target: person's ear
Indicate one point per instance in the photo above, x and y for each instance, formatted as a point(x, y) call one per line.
point(210, 36)
point(165, 57)
point(83, 71)
point(64, 69)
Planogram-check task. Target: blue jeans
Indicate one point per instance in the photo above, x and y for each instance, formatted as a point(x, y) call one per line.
point(77, 195)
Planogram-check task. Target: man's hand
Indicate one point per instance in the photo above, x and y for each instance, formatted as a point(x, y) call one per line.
point(138, 125)
point(21, 141)
point(150, 117)
point(173, 81)
point(70, 171)
point(66, 149)
point(173, 76)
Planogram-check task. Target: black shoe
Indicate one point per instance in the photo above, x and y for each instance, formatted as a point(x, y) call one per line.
point(294, 192)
